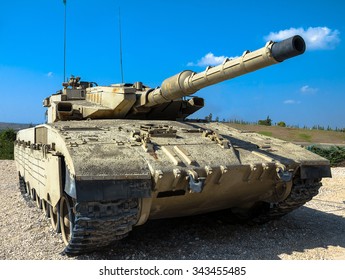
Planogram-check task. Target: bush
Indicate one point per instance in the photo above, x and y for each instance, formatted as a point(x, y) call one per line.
point(282, 124)
point(267, 122)
point(335, 154)
point(7, 137)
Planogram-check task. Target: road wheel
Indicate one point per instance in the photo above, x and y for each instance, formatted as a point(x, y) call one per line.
point(45, 208)
point(38, 201)
point(33, 194)
point(66, 218)
point(54, 214)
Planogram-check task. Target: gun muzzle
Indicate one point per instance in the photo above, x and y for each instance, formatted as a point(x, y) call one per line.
point(288, 48)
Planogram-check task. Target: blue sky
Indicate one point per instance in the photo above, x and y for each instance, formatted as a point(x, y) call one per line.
point(162, 38)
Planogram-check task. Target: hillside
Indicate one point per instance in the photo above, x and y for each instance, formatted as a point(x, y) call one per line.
point(14, 126)
point(296, 135)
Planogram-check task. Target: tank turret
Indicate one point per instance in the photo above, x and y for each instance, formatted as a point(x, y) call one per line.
point(86, 100)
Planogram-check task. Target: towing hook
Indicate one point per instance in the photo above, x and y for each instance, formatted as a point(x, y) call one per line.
point(196, 184)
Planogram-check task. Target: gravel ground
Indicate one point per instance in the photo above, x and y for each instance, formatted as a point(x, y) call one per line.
point(315, 231)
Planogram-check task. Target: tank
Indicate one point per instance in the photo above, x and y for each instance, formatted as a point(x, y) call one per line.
point(111, 157)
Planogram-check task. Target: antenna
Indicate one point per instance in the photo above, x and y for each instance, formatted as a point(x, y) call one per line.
point(64, 45)
point(120, 31)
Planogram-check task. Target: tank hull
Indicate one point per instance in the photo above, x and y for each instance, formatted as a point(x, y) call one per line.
point(125, 172)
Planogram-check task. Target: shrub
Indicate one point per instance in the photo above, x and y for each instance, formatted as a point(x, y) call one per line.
point(335, 154)
point(7, 137)
point(282, 124)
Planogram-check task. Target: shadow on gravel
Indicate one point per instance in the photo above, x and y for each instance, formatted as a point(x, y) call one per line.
point(219, 236)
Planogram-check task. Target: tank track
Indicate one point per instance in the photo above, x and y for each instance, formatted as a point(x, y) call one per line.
point(99, 224)
point(301, 193)
point(22, 187)
point(96, 224)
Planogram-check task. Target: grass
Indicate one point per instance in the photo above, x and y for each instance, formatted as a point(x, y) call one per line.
point(296, 135)
point(266, 133)
point(305, 137)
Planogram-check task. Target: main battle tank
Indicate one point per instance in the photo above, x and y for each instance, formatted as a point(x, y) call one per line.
point(111, 157)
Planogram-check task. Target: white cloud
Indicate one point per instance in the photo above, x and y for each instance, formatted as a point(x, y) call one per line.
point(49, 74)
point(308, 90)
point(209, 60)
point(316, 38)
point(291, 101)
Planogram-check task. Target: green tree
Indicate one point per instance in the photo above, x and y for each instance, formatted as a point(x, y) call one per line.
point(209, 117)
point(267, 122)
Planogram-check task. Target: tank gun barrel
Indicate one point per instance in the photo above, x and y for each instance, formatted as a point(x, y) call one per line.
point(188, 82)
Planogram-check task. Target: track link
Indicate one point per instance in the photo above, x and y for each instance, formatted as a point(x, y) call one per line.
point(24, 191)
